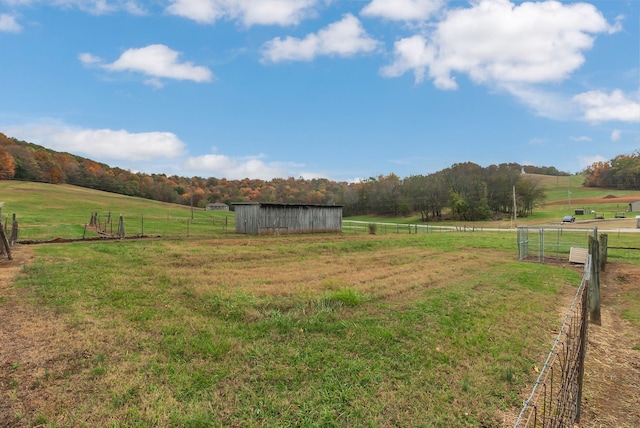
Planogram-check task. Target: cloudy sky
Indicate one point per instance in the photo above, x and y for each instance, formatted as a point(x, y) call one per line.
point(342, 89)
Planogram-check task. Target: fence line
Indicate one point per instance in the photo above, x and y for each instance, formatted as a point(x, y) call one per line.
point(550, 242)
point(203, 225)
point(555, 400)
point(358, 226)
point(116, 225)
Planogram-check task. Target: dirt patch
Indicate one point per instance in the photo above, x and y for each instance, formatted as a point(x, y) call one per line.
point(36, 352)
point(10, 268)
point(622, 199)
point(612, 367)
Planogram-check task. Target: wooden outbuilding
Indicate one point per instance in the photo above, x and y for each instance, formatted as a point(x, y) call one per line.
point(217, 206)
point(280, 219)
point(634, 207)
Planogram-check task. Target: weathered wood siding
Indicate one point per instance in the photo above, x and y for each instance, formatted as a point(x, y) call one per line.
point(247, 218)
point(217, 207)
point(272, 219)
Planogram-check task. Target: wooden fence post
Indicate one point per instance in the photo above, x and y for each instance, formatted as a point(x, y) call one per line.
point(14, 231)
point(604, 239)
point(594, 282)
point(121, 227)
point(5, 242)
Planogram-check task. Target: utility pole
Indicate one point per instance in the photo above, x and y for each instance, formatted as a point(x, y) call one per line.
point(515, 208)
point(191, 199)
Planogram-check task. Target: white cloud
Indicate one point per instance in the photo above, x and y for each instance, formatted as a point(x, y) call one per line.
point(402, 10)
point(581, 139)
point(101, 144)
point(202, 11)
point(616, 134)
point(342, 38)
point(543, 102)
point(96, 7)
point(218, 165)
point(537, 141)
point(280, 12)
point(496, 41)
point(599, 106)
point(249, 12)
point(8, 24)
point(134, 8)
point(89, 59)
point(155, 61)
point(585, 161)
point(412, 53)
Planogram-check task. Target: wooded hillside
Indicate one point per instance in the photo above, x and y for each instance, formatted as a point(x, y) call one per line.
point(621, 172)
point(463, 191)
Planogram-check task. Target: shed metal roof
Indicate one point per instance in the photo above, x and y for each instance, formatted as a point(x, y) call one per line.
point(275, 204)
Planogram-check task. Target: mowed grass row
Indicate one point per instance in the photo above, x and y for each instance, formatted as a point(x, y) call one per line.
point(441, 330)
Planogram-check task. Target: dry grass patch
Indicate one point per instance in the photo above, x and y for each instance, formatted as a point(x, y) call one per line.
point(278, 272)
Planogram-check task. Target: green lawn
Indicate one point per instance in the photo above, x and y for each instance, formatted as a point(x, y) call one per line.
point(402, 330)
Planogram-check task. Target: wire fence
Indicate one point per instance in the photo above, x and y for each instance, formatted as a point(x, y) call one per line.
point(556, 398)
point(543, 243)
point(363, 227)
point(204, 224)
point(109, 225)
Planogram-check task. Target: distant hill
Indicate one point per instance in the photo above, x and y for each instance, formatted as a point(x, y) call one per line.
point(471, 191)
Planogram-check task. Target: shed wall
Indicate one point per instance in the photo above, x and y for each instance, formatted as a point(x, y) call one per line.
point(267, 219)
point(274, 219)
point(247, 219)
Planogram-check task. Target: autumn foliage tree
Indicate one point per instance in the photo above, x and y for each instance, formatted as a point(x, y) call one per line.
point(7, 165)
point(621, 172)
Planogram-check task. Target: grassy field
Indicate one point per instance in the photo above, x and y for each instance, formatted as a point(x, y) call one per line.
point(299, 331)
point(439, 330)
point(48, 211)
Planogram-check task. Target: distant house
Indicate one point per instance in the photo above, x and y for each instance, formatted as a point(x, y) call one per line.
point(275, 219)
point(217, 206)
point(634, 206)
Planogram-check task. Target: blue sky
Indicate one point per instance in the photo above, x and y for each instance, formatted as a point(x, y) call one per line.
point(322, 88)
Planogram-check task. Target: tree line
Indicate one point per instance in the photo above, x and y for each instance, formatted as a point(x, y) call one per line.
point(464, 191)
point(621, 172)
